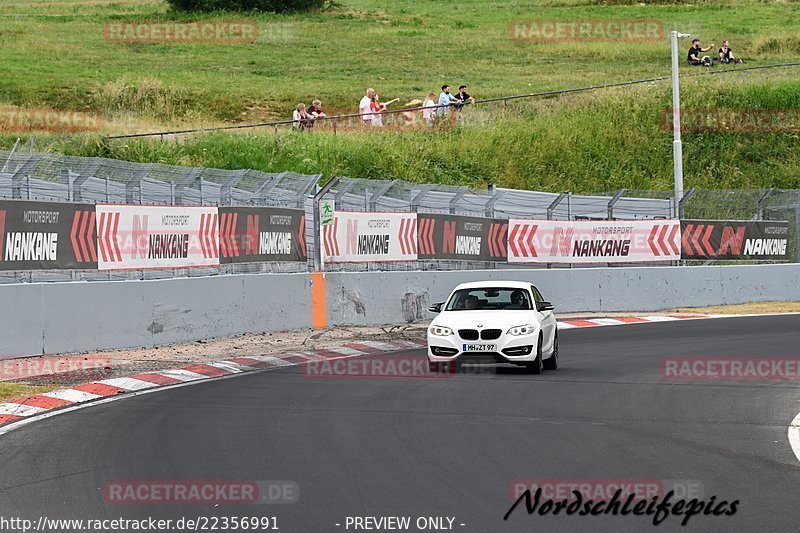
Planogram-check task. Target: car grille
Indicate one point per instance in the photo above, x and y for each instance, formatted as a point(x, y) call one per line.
point(491, 334)
point(468, 334)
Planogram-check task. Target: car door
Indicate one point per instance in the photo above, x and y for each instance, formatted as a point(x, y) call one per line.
point(548, 319)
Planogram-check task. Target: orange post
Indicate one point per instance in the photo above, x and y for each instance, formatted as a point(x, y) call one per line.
point(319, 314)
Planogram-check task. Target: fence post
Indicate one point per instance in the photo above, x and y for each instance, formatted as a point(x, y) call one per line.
point(761, 202)
point(424, 190)
point(193, 175)
point(493, 200)
point(317, 226)
point(373, 200)
point(22, 172)
point(682, 202)
point(225, 191)
point(10, 155)
point(80, 179)
point(614, 201)
point(457, 198)
point(797, 231)
point(552, 207)
point(64, 177)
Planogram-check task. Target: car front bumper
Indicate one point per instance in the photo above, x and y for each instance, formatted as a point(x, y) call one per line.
point(509, 349)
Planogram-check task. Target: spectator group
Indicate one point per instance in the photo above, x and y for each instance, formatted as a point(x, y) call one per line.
point(371, 110)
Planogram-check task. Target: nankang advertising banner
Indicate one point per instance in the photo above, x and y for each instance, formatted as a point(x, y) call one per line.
point(47, 235)
point(356, 237)
point(593, 241)
point(156, 236)
point(730, 239)
point(252, 234)
point(458, 237)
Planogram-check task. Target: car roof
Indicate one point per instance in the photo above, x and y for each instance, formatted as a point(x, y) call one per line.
point(494, 285)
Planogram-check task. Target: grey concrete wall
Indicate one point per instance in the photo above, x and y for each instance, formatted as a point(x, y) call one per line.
point(38, 318)
point(371, 298)
point(48, 318)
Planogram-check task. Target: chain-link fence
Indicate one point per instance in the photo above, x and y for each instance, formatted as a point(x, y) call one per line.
point(53, 177)
point(739, 204)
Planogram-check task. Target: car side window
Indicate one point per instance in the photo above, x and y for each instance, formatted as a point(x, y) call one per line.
point(537, 296)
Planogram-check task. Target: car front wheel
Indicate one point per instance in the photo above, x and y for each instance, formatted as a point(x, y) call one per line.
point(552, 363)
point(535, 367)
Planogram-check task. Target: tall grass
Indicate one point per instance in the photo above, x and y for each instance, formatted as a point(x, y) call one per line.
point(584, 143)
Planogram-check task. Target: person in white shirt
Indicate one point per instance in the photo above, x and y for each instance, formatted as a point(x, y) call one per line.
point(429, 109)
point(300, 117)
point(364, 107)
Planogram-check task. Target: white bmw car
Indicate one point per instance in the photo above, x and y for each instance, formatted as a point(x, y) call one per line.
point(495, 322)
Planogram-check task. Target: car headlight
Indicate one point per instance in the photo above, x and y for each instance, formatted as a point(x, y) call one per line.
point(441, 331)
point(522, 330)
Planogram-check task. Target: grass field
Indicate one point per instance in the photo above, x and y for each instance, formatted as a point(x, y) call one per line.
point(10, 391)
point(55, 55)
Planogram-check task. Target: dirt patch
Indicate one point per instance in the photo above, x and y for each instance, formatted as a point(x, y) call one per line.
point(127, 362)
point(752, 308)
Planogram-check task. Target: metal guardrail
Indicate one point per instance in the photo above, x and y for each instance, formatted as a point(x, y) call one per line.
point(54, 177)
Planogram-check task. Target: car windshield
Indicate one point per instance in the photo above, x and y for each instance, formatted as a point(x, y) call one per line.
point(489, 298)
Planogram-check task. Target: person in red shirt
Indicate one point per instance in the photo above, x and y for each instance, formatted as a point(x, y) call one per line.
point(376, 106)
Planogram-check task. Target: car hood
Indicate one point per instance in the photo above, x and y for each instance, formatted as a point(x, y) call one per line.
point(487, 319)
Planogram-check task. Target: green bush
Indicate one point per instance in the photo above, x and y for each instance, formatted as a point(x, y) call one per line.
point(278, 6)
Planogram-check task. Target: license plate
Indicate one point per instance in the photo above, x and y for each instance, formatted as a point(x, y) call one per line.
point(480, 348)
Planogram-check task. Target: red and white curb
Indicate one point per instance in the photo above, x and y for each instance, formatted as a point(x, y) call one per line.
point(620, 321)
point(21, 408)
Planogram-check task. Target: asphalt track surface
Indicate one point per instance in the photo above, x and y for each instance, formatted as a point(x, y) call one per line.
point(443, 447)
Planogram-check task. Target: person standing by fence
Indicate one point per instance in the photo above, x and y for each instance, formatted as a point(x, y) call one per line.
point(316, 112)
point(365, 109)
point(301, 118)
point(445, 101)
point(429, 109)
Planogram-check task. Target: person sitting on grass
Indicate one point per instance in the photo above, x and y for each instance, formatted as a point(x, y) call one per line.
point(694, 54)
point(726, 54)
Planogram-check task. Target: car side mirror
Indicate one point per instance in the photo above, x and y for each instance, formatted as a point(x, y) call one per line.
point(436, 308)
point(545, 306)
